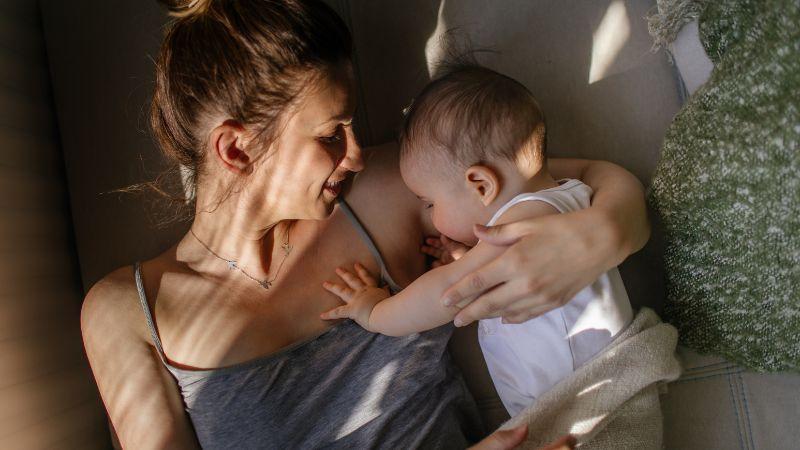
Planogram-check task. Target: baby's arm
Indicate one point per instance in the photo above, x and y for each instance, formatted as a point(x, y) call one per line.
point(416, 308)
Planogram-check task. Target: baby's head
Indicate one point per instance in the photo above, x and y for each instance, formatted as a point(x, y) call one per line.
point(470, 142)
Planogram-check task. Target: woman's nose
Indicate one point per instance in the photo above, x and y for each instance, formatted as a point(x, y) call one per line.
point(352, 160)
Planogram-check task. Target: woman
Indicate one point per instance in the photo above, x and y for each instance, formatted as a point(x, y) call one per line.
point(217, 341)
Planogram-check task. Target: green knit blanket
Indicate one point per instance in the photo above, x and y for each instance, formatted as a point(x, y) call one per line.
point(727, 187)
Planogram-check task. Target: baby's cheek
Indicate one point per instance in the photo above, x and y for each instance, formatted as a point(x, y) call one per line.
point(458, 231)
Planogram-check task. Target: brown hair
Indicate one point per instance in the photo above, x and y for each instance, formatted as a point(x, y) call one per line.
point(474, 115)
point(245, 60)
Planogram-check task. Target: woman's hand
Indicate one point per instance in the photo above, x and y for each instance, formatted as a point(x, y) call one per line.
point(513, 437)
point(551, 258)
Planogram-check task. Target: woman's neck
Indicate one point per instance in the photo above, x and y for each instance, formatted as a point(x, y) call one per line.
point(230, 232)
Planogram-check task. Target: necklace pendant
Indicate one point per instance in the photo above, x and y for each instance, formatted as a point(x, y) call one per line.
point(265, 284)
point(232, 265)
point(286, 248)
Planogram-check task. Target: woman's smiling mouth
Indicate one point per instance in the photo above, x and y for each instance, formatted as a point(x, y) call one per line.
point(334, 187)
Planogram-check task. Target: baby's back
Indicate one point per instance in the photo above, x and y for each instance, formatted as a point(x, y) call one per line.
point(527, 359)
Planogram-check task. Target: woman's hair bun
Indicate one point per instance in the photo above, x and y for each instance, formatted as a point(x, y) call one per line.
point(185, 8)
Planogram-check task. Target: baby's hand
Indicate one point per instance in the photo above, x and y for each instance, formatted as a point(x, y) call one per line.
point(360, 294)
point(445, 250)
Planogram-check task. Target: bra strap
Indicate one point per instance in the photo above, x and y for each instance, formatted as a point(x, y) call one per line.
point(137, 270)
point(393, 287)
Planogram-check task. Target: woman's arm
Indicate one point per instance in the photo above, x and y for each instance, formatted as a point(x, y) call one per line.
point(140, 396)
point(618, 195)
point(550, 259)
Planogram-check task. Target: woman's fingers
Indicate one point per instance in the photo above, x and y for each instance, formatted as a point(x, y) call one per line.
point(503, 439)
point(339, 290)
point(365, 276)
point(565, 443)
point(486, 277)
point(491, 303)
point(353, 281)
point(513, 300)
point(505, 234)
point(341, 312)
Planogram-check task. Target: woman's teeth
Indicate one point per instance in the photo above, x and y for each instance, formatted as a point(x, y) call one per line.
point(333, 186)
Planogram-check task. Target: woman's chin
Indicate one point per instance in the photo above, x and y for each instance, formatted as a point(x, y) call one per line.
point(324, 208)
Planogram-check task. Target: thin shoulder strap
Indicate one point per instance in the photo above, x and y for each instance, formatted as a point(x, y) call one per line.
point(370, 243)
point(137, 271)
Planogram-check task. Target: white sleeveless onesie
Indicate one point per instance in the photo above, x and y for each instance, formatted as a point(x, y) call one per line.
point(527, 359)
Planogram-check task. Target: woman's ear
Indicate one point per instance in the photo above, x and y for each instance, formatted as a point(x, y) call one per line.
point(228, 146)
point(484, 182)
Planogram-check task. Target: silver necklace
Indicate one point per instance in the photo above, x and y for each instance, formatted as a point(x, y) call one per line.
point(234, 265)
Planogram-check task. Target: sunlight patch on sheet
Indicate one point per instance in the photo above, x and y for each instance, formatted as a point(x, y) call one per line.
point(585, 425)
point(594, 387)
point(608, 39)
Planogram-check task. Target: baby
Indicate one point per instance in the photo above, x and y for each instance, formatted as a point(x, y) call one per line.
point(473, 149)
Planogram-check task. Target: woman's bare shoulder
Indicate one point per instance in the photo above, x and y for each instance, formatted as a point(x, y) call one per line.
point(380, 185)
point(390, 211)
point(382, 166)
point(112, 306)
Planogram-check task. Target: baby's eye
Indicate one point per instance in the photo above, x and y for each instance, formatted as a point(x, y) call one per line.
point(428, 205)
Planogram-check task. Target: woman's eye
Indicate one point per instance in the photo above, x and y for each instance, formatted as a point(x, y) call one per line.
point(333, 138)
point(428, 205)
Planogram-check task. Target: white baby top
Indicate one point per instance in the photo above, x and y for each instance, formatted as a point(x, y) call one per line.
point(527, 359)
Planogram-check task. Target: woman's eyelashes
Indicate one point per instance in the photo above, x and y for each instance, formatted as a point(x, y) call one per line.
point(336, 135)
point(333, 138)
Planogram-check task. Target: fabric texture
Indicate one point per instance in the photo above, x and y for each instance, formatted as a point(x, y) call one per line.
point(612, 402)
point(718, 405)
point(727, 189)
point(669, 17)
point(527, 359)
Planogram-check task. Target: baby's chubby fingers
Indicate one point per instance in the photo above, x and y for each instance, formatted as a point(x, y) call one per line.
point(339, 290)
point(352, 280)
point(434, 242)
point(432, 251)
point(365, 276)
point(341, 312)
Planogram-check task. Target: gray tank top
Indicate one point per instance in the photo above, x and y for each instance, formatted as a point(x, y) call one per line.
point(346, 388)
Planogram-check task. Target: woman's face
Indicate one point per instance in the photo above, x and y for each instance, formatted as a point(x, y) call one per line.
point(316, 150)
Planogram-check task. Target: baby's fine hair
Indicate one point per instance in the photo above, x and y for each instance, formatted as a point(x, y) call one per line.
point(474, 115)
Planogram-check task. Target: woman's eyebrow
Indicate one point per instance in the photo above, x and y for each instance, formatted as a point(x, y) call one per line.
point(343, 117)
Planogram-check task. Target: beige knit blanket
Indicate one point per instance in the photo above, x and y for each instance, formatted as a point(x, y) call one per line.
point(612, 401)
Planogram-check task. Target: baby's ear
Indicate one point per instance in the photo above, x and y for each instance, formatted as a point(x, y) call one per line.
point(483, 182)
